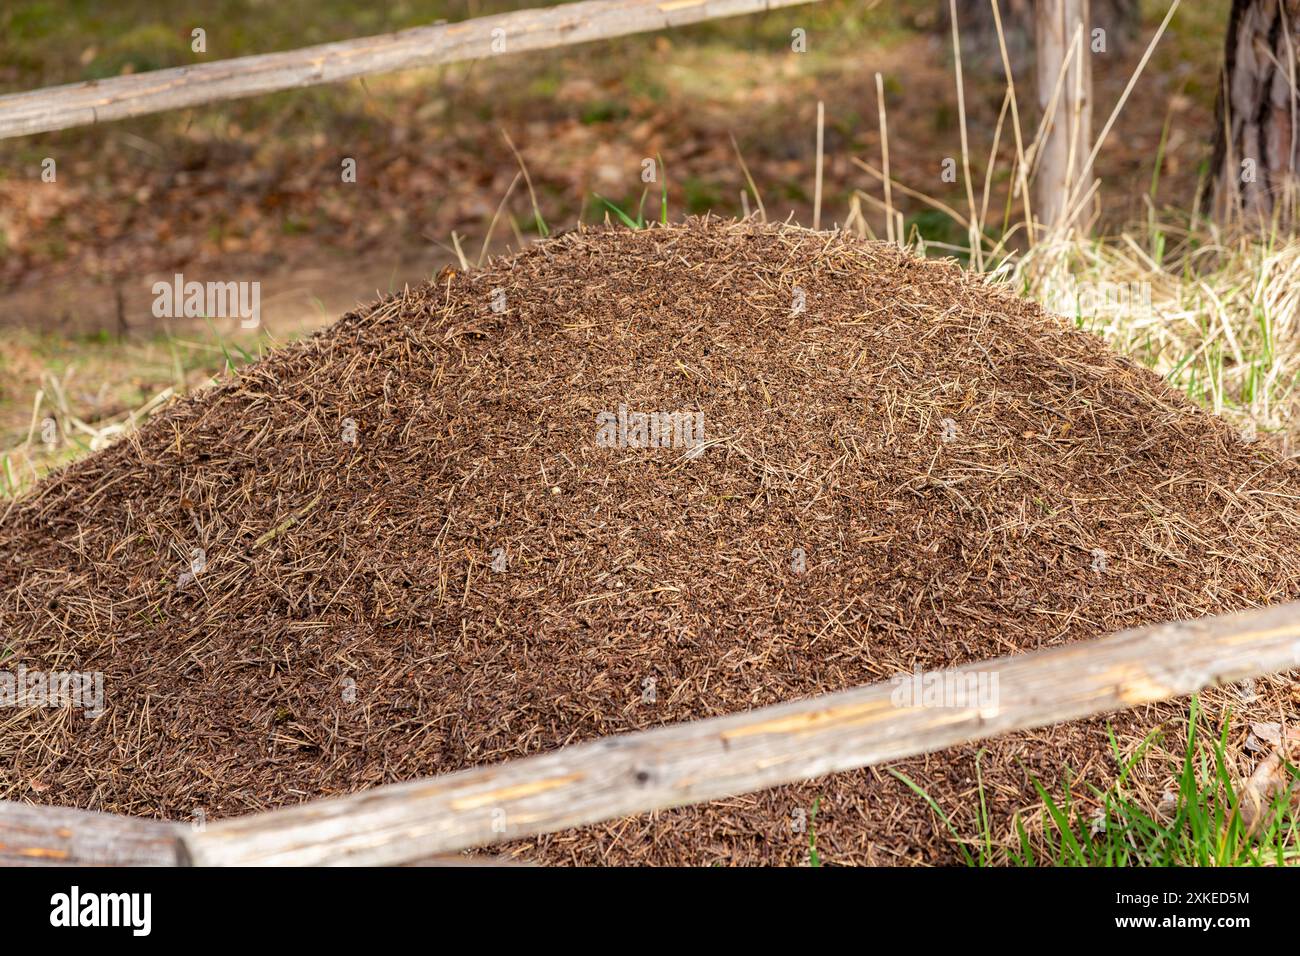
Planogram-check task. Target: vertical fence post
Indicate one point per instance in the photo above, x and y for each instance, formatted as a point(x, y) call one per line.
point(1065, 98)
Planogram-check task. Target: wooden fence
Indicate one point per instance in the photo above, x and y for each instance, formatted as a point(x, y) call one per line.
point(424, 820)
point(97, 101)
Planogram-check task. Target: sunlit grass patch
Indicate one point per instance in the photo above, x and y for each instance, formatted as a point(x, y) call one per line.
point(1201, 819)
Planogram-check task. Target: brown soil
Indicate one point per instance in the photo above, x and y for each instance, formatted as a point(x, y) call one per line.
point(349, 628)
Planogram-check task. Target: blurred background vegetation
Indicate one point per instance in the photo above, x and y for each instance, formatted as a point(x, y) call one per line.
point(250, 190)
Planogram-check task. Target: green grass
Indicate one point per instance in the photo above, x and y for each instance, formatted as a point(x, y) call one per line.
point(640, 222)
point(1201, 825)
point(814, 858)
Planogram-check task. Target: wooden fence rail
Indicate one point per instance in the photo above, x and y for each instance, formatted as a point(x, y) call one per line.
point(32, 835)
point(703, 760)
point(59, 836)
point(97, 101)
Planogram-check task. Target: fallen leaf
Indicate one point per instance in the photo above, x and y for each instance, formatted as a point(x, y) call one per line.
point(1270, 777)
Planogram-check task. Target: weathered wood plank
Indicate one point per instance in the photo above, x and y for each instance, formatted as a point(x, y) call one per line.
point(32, 835)
point(711, 759)
point(58, 836)
point(80, 104)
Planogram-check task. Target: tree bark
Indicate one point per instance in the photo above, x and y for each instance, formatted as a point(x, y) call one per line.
point(1255, 159)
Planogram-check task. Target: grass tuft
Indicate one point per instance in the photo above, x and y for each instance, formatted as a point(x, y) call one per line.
point(1198, 822)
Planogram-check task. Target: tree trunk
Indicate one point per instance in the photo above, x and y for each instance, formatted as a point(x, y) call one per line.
point(1065, 97)
point(1254, 165)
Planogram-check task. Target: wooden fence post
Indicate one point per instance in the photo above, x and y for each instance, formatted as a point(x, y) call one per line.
point(1065, 97)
